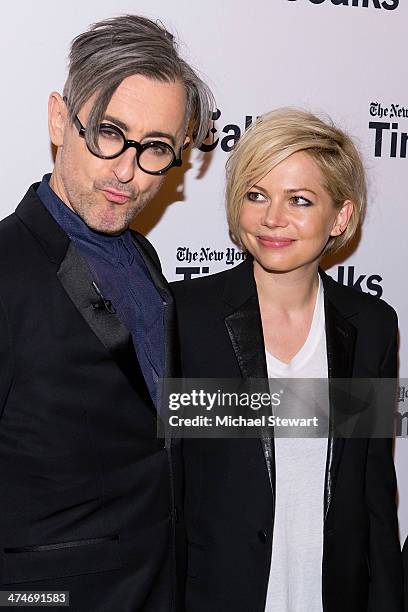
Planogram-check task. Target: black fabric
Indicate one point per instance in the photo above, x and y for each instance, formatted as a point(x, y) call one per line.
point(229, 502)
point(405, 563)
point(87, 490)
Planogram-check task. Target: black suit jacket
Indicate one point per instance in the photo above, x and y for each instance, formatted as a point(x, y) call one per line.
point(405, 566)
point(87, 490)
point(230, 484)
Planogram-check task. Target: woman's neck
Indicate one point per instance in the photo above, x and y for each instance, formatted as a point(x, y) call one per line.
point(290, 291)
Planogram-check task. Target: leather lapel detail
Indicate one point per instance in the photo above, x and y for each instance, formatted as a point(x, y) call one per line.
point(244, 327)
point(244, 322)
point(340, 341)
point(77, 280)
point(172, 366)
point(245, 331)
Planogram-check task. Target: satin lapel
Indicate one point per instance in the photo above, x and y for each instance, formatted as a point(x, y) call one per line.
point(172, 367)
point(77, 280)
point(244, 327)
point(340, 340)
point(245, 331)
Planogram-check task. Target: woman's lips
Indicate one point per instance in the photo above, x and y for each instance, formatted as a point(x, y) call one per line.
point(115, 196)
point(275, 242)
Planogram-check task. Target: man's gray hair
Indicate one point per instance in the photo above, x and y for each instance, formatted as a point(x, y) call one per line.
point(116, 48)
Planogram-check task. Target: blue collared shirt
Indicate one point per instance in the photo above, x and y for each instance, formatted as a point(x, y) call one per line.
point(123, 279)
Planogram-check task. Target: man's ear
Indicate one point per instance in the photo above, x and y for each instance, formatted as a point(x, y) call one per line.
point(57, 118)
point(186, 142)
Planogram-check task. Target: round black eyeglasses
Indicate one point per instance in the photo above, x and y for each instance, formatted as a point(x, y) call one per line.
point(153, 157)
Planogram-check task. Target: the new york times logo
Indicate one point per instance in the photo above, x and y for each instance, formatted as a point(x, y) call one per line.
point(389, 138)
point(229, 257)
point(389, 5)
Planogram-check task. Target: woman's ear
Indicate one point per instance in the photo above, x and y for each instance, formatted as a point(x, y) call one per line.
point(342, 218)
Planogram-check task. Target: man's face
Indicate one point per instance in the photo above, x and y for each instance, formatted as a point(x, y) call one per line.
point(108, 193)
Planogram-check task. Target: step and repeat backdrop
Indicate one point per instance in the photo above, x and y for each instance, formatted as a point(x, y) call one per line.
point(345, 59)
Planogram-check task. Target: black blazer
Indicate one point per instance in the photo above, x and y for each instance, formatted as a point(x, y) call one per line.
point(87, 490)
point(405, 566)
point(230, 485)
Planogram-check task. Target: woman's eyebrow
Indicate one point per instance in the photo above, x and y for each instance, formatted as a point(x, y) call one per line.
point(300, 189)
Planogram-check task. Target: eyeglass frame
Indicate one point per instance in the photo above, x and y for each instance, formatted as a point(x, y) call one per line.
point(177, 161)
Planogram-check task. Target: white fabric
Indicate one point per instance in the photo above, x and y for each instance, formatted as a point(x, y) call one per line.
point(295, 581)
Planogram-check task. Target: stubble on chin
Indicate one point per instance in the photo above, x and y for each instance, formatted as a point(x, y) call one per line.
point(105, 223)
point(112, 220)
point(109, 218)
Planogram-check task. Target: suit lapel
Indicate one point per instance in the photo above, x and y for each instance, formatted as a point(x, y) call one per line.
point(340, 342)
point(76, 278)
point(244, 327)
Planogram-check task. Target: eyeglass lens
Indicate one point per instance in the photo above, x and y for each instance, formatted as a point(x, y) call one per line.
point(156, 156)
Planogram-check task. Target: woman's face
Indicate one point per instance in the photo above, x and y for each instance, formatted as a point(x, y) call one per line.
point(288, 216)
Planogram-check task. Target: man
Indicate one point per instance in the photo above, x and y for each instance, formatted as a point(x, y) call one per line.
point(88, 492)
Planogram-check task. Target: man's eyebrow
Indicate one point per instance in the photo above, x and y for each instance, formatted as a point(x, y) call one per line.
point(153, 134)
point(116, 121)
point(158, 134)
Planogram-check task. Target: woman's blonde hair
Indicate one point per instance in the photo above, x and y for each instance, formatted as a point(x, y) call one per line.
point(277, 135)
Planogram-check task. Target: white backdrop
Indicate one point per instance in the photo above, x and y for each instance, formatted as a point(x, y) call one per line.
point(345, 58)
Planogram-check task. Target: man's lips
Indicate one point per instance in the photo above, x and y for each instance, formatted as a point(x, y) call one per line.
point(275, 242)
point(115, 196)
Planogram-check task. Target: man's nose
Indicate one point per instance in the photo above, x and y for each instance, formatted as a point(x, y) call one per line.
point(125, 166)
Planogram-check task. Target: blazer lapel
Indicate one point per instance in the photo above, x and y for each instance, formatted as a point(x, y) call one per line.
point(244, 326)
point(340, 342)
point(78, 283)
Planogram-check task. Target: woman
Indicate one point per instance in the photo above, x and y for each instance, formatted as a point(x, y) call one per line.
point(297, 525)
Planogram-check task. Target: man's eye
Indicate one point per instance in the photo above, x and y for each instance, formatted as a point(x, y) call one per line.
point(159, 149)
point(109, 133)
point(301, 201)
point(255, 196)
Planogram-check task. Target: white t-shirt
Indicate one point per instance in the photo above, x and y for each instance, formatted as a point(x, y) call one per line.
point(295, 580)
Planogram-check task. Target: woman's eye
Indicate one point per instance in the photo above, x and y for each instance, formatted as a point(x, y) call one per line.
point(301, 201)
point(255, 196)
